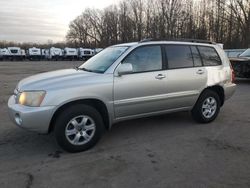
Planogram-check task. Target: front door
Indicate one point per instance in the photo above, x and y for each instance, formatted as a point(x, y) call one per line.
point(141, 92)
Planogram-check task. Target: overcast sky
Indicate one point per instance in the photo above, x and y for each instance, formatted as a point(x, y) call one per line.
point(41, 20)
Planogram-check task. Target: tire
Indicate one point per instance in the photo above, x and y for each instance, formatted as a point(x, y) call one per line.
point(79, 137)
point(205, 110)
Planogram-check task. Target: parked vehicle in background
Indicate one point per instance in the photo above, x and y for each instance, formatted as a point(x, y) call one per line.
point(34, 53)
point(122, 82)
point(241, 64)
point(70, 54)
point(43, 54)
point(54, 54)
point(1, 57)
point(85, 53)
point(97, 50)
point(5, 53)
point(23, 54)
point(15, 53)
point(231, 53)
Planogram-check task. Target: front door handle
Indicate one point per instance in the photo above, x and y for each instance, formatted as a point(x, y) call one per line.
point(200, 71)
point(160, 76)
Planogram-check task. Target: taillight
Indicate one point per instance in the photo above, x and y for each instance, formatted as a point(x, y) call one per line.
point(232, 74)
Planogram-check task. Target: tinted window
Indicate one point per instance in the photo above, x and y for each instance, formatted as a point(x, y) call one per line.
point(209, 56)
point(179, 56)
point(196, 57)
point(147, 58)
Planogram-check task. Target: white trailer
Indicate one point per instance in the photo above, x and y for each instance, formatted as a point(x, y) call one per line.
point(70, 54)
point(34, 53)
point(85, 53)
point(97, 50)
point(15, 53)
point(43, 54)
point(23, 54)
point(5, 53)
point(1, 57)
point(54, 53)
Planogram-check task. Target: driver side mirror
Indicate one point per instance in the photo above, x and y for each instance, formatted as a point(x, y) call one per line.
point(125, 68)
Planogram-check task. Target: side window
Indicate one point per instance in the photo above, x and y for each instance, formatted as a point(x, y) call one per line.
point(209, 56)
point(179, 56)
point(143, 59)
point(196, 57)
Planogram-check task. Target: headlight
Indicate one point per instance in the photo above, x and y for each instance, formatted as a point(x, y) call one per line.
point(31, 98)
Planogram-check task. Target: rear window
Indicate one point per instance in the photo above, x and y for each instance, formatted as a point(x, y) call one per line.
point(179, 56)
point(209, 56)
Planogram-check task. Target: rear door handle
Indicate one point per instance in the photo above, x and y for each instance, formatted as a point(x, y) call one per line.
point(160, 76)
point(200, 71)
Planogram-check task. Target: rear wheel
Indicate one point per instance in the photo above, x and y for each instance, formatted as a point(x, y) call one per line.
point(78, 128)
point(207, 107)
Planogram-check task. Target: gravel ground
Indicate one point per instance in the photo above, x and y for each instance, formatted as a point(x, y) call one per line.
point(163, 151)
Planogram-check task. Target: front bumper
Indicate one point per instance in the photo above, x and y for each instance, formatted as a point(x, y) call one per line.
point(35, 119)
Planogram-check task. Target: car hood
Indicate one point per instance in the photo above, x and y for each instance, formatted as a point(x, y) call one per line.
point(56, 79)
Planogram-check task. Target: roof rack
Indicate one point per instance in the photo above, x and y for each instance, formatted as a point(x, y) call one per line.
point(195, 41)
point(180, 40)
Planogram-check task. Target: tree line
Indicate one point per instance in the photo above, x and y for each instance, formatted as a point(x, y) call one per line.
point(26, 45)
point(222, 21)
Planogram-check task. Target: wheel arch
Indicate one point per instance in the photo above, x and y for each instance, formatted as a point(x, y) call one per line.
point(219, 90)
point(99, 105)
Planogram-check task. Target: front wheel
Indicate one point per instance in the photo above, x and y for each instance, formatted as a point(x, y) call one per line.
point(78, 128)
point(207, 107)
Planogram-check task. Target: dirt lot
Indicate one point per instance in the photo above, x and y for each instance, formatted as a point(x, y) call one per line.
point(165, 151)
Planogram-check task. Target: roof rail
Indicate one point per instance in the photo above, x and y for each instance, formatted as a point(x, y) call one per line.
point(195, 41)
point(180, 40)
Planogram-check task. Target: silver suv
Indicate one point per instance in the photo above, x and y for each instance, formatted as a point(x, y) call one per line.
point(122, 82)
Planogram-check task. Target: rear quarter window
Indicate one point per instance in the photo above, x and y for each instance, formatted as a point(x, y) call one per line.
point(209, 56)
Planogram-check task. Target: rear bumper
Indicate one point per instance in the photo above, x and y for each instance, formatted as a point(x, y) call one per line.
point(229, 90)
point(35, 119)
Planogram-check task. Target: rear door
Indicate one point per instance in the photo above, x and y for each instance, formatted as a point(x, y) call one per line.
point(185, 76)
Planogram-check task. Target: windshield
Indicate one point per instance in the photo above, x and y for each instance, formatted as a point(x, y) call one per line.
point(103, 60)
point(246, 53)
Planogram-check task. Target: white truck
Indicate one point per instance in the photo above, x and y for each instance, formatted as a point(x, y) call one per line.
point(85, 53)
point(34, 53)
point(54, 54)
point(70, 54)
